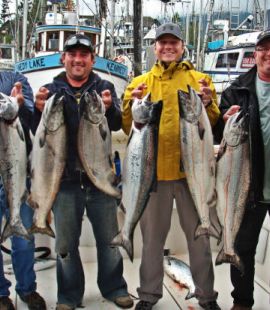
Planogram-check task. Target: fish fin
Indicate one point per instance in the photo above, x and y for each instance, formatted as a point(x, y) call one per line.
point(14, 230)
point(222, 149)
point(190, 295)
point(103, 132)
point(20, 131)
point(32, 203)
point(45, 231)
point(42, 138)
point(201, 130)
point(122, 207)
point(126, 243)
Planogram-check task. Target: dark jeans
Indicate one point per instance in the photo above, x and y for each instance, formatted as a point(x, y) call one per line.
point(101, 210)
point(22, 253)
point(246, 243)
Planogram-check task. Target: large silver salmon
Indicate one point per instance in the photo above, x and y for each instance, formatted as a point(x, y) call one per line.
point(198, 159)
point(139, 168)
point(13, 165)
point(180, 272)
point(47, 162)
point(95, 145)
point(232, 184)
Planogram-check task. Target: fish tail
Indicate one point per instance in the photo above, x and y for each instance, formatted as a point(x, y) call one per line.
point(212, 231)
point(201, 231)
point(232, 259)
point(45, 231)
point(126, 243)
point(14, 230)
point(190, 295)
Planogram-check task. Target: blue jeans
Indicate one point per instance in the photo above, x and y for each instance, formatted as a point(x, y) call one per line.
point(69, 207)
point(22, 253)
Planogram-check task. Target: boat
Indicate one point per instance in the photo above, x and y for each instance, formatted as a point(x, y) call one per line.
point(224, 64)
point(45, 51)
point(7, 59)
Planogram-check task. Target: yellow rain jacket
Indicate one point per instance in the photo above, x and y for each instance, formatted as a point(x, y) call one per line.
point(163, 84)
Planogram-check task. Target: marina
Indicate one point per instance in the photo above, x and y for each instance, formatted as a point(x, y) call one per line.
point(42, 61)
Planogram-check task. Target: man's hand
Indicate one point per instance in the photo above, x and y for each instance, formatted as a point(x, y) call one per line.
point(106, 98)
point(232, 110)
point(41, 97)
point(138, 92)
point(205, 92)
point(17, 92)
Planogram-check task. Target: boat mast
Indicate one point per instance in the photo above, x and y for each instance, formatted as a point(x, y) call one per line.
point(25, 12)
point(198, 60)
point(112, 28)
point(103, 15)
point(137, 33)
point(209, 15)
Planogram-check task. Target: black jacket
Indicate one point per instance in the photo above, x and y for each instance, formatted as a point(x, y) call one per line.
point(72, 111)
point(242, 92)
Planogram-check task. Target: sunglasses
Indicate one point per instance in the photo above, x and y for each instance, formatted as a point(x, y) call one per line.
point(76, 41)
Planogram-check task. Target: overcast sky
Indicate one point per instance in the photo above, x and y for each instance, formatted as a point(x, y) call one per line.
point(156, 8)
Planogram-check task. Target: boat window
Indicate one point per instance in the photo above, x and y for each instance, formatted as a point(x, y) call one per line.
point(53, 41)
point(227, 60)
point(248, 60)
point(6, 53)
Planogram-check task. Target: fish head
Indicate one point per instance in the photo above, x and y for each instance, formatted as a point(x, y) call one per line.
point(141, 109)
point(93, 107)
point(8, 107)
point(236, 129)
point(53, 113)
point(190, 105)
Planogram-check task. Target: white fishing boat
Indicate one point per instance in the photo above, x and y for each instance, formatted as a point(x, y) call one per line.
point(225, 64)
point(7, 59)
point(45, 52)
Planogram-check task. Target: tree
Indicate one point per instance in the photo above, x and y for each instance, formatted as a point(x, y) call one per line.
point(5, 13)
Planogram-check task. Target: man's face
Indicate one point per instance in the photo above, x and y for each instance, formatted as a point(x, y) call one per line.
point(262, 58)
point(78, 63)
point(168, 49)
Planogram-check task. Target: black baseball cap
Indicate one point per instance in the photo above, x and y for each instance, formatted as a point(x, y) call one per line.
point(262, 36)
point(169, 28)
point(78, 40)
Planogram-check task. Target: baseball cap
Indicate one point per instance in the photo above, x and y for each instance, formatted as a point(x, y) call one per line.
point(169, 28)
point(262, 36)
point(78, 40)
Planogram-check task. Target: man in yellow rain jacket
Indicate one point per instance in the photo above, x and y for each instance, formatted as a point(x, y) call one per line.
point(163, 81)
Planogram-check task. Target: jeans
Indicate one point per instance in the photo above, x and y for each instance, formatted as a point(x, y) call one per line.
point(69, 207)
point(22, 254)
point(246, 244)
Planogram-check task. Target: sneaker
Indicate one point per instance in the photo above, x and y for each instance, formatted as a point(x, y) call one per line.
point(124, 302)
point(210, 305)
point(239, 307)
point(144, 305)
point(6, 303)
point(63, 307)
point(34, 301)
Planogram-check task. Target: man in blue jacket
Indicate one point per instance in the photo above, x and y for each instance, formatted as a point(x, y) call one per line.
point(77, 193)
point(22, 252)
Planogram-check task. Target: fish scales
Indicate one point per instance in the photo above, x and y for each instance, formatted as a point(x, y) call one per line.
point(13, 165)
point(139, 168)
point(95, 145)
point(47, 162)
point(232, 184)
point(197, 156)
point(180, 272)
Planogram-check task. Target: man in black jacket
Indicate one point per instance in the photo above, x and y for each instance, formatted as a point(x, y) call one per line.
point(77, 193)
point(250, 92)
